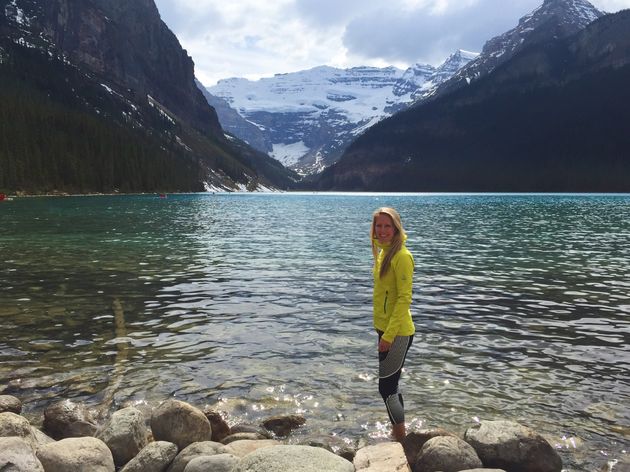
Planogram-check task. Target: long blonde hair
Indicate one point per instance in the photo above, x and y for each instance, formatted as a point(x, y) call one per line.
point(397, 240)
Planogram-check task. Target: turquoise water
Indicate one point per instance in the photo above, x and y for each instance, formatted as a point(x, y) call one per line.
point(260, 304)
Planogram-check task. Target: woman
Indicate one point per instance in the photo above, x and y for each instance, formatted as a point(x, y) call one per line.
point(393, 277)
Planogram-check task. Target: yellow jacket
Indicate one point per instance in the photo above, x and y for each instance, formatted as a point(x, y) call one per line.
point(392, 294)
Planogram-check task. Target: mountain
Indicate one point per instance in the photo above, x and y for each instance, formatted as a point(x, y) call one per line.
point(308, 118)
point(104, 99)
point(235, 124)
point(552, 20)
point(552, 118)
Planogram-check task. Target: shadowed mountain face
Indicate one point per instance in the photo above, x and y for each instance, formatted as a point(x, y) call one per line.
point(115, 62)
point(552, 118)
point(554, 19)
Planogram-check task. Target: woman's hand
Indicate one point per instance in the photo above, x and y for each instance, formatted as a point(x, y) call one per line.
point(383, 346)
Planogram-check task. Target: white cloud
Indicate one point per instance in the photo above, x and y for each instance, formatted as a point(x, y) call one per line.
point(250, 38)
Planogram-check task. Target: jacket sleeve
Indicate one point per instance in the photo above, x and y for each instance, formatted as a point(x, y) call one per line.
point(403, 271)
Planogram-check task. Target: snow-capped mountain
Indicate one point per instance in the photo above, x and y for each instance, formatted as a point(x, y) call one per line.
point(554, 19)
point(309, 117)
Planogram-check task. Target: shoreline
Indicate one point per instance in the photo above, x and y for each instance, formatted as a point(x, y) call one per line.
point(186, 425)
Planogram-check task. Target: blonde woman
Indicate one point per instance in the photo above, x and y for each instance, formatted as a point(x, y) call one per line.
point(393, 277)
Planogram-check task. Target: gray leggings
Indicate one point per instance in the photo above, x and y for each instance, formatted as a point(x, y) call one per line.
point(389, 369)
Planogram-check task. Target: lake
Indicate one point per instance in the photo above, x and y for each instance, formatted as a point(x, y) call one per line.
point(260, 304)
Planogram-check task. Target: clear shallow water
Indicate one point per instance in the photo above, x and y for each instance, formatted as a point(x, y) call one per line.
point(260, 305)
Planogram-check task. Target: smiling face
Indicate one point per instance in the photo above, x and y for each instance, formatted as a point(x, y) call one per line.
point(384, 229)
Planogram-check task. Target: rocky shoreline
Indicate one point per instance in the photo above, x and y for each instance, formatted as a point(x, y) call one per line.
point(179, 437)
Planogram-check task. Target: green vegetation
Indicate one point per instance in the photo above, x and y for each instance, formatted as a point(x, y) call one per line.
point(45, 147)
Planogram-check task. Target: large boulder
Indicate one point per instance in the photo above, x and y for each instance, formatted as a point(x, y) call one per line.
point(383, 457)
point(205, 448)
point(67, 419)
point(155, 457)
point(125, 434)
point(17, 455)
point(446, 454)
point(413, 442)
point(16, 425)
point(218, 463)
point(293, 459)
point(513, 447)
point(180, 423)
point(10, 404)
point(76, 455)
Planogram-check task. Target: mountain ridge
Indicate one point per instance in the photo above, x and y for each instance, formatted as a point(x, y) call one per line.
point(549, 119)
point(309, 117)
point(135, 75)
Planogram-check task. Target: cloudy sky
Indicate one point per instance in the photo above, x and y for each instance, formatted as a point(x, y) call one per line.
point(254, 38)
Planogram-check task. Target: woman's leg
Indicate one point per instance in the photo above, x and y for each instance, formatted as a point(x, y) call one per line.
point(390, 368)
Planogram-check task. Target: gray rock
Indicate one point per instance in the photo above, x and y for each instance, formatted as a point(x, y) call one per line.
point(220, 428)
point(282, 426)
point(246, 446)
point(482, 470)
point(180, 423)
point(10, 404)
point(334, 444)
point(76, 455)
point(446, 454)
point(41, 439)
point(125, 434)
point(243, 437)
point(414, 441)
point(17, 455)
point(205, 448)
point(293, 459)
point(67, 419)
point(155, 457)
point(218, 463)
point(383, 457)
point(513, 447)
point(16, 425)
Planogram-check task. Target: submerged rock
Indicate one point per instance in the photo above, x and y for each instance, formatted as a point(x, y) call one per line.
point(283, 425)
point(513, 447)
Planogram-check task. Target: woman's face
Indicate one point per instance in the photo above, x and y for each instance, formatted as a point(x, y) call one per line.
point(384, 228)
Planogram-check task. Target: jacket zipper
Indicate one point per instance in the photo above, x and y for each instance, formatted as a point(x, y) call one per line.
point(385, 302)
